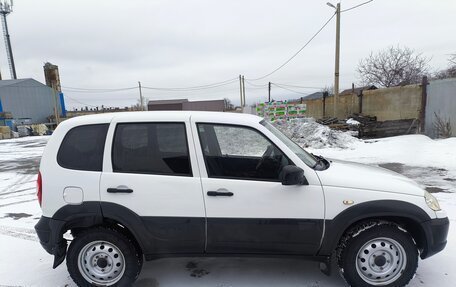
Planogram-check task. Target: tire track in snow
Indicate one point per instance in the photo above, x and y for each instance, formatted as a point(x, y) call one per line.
point(22, 233)
point(6, 194)
point(17, 202)
point(22, 180)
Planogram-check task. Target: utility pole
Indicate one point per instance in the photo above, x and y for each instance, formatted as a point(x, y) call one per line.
point(269, 94)
point(140, 97)
point(424, 83)
point(336, 71)
point(240, 89)
point(56, 109)
point(243, 92)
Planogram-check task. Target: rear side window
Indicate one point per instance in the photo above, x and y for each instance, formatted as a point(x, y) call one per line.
point(83, 147)
point(151, 148)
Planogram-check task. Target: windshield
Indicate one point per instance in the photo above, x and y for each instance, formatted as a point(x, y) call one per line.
point(306, 157)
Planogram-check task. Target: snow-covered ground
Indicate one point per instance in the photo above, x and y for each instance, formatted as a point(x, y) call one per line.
point(24, 263)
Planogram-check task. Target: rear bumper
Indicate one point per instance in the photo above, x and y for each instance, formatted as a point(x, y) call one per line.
point(436, 232)
point(51, 238)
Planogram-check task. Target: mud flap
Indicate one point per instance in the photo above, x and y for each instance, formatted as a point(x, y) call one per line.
point(59, 253)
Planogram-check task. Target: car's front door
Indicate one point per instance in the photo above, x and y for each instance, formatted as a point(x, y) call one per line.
point(248, 209)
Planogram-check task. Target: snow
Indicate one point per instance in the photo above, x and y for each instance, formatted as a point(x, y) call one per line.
point(308, 133)
point(429, 162)
point(25, 263)
point(353, 122)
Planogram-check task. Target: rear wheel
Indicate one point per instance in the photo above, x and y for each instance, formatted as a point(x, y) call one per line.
point(103, 257)
point(378, 255)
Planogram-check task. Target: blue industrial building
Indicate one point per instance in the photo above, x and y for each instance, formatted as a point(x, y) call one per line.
point(30, 99)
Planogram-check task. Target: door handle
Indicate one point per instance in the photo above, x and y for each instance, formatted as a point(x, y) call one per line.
point(220, 193)
point(120, 190)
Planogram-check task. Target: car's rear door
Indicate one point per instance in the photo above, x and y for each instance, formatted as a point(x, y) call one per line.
point(248, 209)
point(151, 184)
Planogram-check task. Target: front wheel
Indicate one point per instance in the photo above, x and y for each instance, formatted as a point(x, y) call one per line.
point(378, 255)
point(103, 257)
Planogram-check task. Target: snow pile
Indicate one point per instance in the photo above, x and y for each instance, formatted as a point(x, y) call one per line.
point(430, 162)
point(236, 141)
point(353, 122)
point(413, 150)
point(308, 133)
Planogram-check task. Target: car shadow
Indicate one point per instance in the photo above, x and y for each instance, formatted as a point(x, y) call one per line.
point(227, 272)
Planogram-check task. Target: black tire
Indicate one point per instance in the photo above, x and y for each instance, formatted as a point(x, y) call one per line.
point(120, 257)
point(373, 254)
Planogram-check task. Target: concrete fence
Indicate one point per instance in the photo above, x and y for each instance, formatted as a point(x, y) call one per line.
point(395, 103)
point(421, 102)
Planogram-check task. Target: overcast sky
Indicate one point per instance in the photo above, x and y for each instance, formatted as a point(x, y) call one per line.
point(114, 44)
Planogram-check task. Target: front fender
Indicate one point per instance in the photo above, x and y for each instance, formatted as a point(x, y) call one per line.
point(378, 209)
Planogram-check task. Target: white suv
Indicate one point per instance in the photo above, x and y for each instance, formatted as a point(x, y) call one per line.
point(157, 184)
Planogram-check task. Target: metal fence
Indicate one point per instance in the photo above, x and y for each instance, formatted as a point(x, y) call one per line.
point(441, 102)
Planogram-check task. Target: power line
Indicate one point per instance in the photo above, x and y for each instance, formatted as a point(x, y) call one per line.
point(98, 91)
point(153, 92)
point(191, 88)
point(299, 51)
point(256, 85)
point(194, 88)
point(301, 87)
point(291, 90)
point(97, 100)
point(281, 84)
point(356, 6)
point(79, 102)
point(257, 88)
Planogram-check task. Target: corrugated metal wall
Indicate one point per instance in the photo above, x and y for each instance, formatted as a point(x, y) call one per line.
point(441, 99)
point(28, 99)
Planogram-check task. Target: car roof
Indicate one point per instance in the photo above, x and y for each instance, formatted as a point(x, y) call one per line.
point(162, 115)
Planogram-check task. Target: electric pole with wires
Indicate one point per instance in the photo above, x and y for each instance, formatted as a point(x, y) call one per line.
point(141, 101)
point(243, 93)
point(240, 90)
point(337, 57)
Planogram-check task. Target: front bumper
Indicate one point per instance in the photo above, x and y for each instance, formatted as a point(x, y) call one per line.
point(436, 232)
point(50, 236)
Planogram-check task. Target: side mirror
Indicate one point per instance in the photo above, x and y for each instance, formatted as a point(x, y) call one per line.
point(293, 175)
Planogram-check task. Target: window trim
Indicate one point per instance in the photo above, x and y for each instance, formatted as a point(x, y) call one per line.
point(241, 126)
point(59, 162)
point(153, 173)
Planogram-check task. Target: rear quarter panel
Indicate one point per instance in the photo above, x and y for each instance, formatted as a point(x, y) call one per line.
point(56, 178)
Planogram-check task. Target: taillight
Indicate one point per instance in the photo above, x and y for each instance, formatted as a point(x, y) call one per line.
point(39, 188)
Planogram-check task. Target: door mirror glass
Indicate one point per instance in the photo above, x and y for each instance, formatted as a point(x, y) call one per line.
point(293, 175)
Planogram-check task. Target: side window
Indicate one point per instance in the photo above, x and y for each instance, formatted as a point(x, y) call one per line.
point(240, 153)
point(151, 148)
point(83, 147)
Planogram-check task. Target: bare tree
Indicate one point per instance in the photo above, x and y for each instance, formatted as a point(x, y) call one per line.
point(228, 105)
point(452, 59)
point(449, 72)
point(328, 89)
point(393, 66)
point(137, 106)
point(442, 126)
